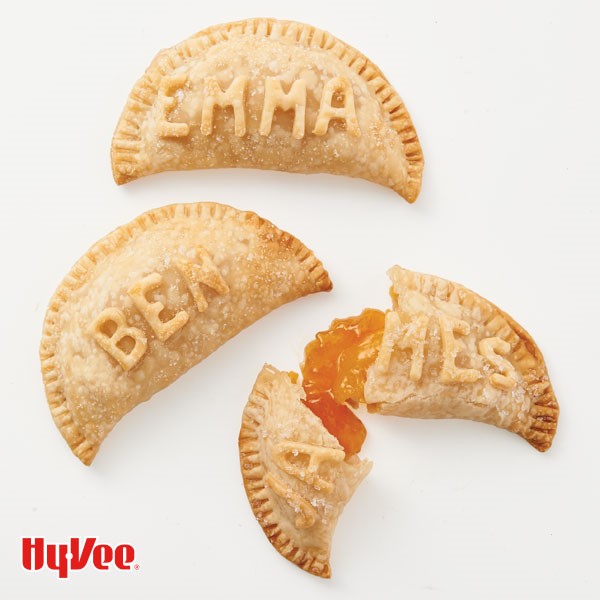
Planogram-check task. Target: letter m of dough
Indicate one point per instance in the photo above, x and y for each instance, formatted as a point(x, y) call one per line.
point(215, 96)
point(294, 100)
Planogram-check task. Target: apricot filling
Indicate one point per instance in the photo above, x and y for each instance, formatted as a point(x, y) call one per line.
point(334, 372)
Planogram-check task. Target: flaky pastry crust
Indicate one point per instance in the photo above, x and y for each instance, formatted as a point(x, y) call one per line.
point(267, 94)
point(152, 299)
point(449, 353)
point(295, 472)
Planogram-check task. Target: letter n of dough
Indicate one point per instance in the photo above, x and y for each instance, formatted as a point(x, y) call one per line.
point(166, 103)
point(110, 343)
point(491, 349)
point(206, 273)
point(215, 96)
point(151, 310)
point(450, 373)
point(294, 100)
point(410, 336)
point(346, 112)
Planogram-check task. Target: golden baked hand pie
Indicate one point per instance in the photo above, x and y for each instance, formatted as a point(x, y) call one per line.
point(296, 474)
point(267, 94)
point(155, 297)
point(441, 352)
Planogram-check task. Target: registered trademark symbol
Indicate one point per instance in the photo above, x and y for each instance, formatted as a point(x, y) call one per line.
point(136, 567)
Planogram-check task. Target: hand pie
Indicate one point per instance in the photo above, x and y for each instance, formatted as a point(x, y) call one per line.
point(155, 297)
point(267, 94)
point(296, 474)
point(441, 352)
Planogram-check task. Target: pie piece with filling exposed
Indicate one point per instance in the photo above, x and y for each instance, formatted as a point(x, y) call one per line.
point(442, 351)
point(267, 94)
point(155, 297)
point(296, 473)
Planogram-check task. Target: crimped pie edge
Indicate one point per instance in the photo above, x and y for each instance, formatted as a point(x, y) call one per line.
point(544, 410)
point(77, 276)
point(254, 480)
point(126, 139)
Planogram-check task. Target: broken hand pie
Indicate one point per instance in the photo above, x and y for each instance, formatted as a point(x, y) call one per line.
point(267, 94)
point(297, 476)
point(152, 299)
point(441, 352)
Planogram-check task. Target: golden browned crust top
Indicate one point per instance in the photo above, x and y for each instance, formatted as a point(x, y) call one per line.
point(526, 356)
point(295, 473)
point(254, 479)
point(82, 447)
point(127, 142)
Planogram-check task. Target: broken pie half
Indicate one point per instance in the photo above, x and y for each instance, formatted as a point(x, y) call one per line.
point(152, 299)
point(442, 351)
point(267, 94)
point(297, 475)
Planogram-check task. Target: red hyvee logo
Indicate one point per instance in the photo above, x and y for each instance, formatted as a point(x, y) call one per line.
point(76, 556)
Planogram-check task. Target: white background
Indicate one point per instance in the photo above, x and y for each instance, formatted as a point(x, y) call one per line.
point(505, 99)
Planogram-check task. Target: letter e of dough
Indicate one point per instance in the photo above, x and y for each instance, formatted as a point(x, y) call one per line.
point(151, 310)
point(450, 373)
point(166, 103)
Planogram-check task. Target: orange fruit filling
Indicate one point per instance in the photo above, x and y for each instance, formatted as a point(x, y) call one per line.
point(334, 373)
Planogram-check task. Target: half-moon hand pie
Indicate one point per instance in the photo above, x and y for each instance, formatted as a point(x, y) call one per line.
point(155, 297)
point(297, 476)
point(441, 352)
point(267, 94)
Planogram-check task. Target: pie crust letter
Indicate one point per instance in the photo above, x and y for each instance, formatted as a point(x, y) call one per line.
point(285, 451)
point(215, 96)
point(404, 337)
point(493, 349)
point(450, 372)
point(151, 310)
point(347, 113)
point(205, 273)
point(305, 513)
point(110, 343)
point(294, 100)
point(167, 128)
